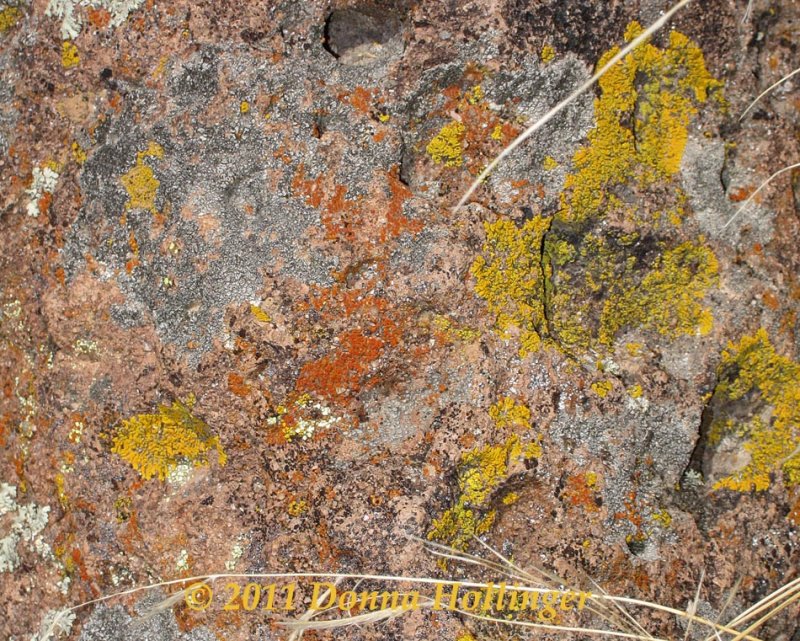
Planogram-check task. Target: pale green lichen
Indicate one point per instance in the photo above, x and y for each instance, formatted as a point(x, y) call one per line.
point(72, 21)
point(302, 418)
point(753, 371)
point(25, 524)
point(44, 182)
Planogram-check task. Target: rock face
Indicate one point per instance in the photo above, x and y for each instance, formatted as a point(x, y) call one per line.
point(244, 329)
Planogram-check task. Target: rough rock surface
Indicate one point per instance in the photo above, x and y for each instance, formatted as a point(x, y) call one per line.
point(243, 329)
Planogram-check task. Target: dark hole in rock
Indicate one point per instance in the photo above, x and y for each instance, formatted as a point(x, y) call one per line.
point(352, 32)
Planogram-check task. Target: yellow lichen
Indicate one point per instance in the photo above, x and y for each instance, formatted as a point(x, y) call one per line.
point(259, 314)
point(669, 298)
point(244, 107)
point(606, 263)
point(122, 508)
point(634, 349)
point(9, 16)
point(140, 182)
point(654, 89)
point(635, 391)
point(446, 147)
point(548, 54)
point(506, 412)
point(752, 370)
point(474, 95)
point(663, 518)
point(549, 163)
point(497, 132)
point(155, 444)
point(296, 508)
point(453, 333)
point(480, 473)
point(509, 278)
point(510, 498)
point(78, 153)
point(602, 388)
point(61, 492)
point(69, 55)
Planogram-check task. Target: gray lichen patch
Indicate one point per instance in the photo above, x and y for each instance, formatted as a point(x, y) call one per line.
point(26, 522)
point(113, 623)
point(189, 203)
point(643, 448)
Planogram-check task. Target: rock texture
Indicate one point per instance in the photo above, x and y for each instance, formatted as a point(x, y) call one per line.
point(243, 328)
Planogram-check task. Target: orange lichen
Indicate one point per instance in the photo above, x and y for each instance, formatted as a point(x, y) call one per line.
point(98, 18)
point(361, 100)
point(396, 222)
point(342, 371)
point(581, 491)
point(237, 385)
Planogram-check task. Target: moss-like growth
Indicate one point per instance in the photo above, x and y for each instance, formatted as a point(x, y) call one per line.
point(752, 372)
point(155, 444)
